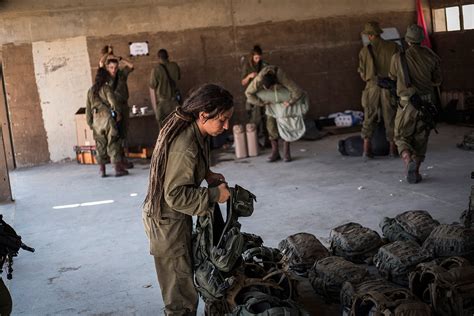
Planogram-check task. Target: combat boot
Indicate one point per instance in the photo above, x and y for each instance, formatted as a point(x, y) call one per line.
point(393, 150)
point(418, 174)
point(367, 154)
point(286, 152)
point(120, 170)
point(410, 167)
point(102, 170)
point(275, 152)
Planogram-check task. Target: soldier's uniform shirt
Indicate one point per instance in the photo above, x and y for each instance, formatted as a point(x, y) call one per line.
point(120, 87)
point(251, 93)
point(165, 102)
point(99, 119)
point(374, 97)
point(425, 73)
point(169, 226)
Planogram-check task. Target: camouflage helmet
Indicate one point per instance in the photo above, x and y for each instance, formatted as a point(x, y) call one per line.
point(372, 28)
point(414, 34)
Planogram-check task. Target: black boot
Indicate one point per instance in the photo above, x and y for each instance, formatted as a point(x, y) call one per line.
point(410, 167)
point(120, 170)
point(275, 152)
point(102, 170)
point(286, 152)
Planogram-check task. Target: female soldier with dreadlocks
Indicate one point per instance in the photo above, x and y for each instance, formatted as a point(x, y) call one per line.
point(100, 104)
point(179, 164)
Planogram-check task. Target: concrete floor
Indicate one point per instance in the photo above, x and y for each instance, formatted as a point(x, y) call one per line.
point(94, 260)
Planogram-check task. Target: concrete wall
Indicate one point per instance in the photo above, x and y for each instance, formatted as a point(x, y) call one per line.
point(316, 42)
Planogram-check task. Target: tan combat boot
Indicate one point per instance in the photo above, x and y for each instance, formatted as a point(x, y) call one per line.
point(275, 152)
point(410, 167)
point(367, 154)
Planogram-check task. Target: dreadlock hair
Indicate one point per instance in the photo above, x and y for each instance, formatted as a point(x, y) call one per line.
point(209, 98)
point(101, 78)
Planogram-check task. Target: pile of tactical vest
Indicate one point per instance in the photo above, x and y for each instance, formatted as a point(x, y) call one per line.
point(420, 267)
point(234, 273)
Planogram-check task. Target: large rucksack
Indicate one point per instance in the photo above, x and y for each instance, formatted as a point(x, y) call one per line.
point(329, 274)
point(218, 245)
point(255, 303)
point(447, 286)
point(449, 240)
point(394, 261)
point(353, 145)
point(389, 301)
point(354, 242)
point(301, 251)
point(349, 291)
point(409, 225)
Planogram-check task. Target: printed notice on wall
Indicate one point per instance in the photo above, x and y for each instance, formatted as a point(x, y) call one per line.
point(138, 49)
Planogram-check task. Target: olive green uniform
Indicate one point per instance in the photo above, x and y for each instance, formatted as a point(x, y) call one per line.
point(104, 127)
point(169, 226)
point(120, 87)
point(165, 95)
point(5, 300)
point(251, 93)
point(256, 114)
point(375, 98)
point(411, 133)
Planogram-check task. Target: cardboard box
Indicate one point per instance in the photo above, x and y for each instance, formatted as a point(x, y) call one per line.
point(83, 132)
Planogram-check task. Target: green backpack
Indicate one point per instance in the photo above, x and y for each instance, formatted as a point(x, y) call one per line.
point(218, 245)
point(329, 274)
point(354, 242)
point(300, 252)
point(394, 261)
point(448, 286)
point(260, 304)
point(410, 225)
point(449, 240)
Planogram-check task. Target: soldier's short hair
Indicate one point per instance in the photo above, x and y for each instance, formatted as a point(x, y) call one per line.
point(163, 54)
point(269, 80)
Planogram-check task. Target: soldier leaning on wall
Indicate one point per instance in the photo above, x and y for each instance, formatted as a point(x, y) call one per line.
point(119, 68)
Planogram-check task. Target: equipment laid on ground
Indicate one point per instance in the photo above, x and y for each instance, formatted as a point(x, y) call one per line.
point(354, 242)
point(396, 260)
point(449, 240)
point(410, 225)
point(300, 252)
point(230, 264)
point(329, 274)
point(448, 286)
point(353, 146)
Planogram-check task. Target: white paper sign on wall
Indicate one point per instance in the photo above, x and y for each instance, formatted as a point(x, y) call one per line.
point(138, 49)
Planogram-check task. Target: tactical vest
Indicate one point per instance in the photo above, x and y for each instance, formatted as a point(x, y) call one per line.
point(410, 225)
point(450, 240)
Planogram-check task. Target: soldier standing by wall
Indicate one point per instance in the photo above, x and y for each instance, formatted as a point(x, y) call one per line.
point(163, 87)
point(179, 164)
point(417, 72)
point(250, 69)
point(118, 82)
point(100, 104)
point(374, 64)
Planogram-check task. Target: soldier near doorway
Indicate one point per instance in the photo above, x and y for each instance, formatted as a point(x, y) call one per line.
point(417, 72)
point(250, 69)
point(119, 68)
point(374, 65)
point(164, 93)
